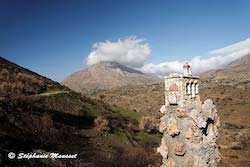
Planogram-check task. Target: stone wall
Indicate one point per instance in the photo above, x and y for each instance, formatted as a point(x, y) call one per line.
point(189, 127)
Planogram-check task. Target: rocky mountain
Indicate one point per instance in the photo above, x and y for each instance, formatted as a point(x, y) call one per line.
point(240, 63)
point(236, 74)
point(41, 116)
point(105, 75)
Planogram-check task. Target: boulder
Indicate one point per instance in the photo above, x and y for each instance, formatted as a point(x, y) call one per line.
point(209, 109)
point(179, 148)
point(149, 124)
point(181, 112)
point(163, 149)
point(172, 128)
point(102, 124)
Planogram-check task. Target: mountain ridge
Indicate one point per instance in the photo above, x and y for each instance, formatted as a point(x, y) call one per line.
point(106, 75)
point(237, 73)
point(244, 60)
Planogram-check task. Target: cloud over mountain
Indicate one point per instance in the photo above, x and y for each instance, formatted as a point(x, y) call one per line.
point(134, 52)
point(131, 52)
point(218, 58)
point(239, 46)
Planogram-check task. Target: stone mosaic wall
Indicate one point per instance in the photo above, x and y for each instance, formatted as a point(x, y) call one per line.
point(189, 128)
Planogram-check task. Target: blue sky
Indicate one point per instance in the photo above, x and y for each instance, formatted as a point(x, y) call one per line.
point(55, 37)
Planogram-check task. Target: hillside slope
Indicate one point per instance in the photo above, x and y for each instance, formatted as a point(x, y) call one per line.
point(39, 115)
point(240, 63)
point(146, 99)
point(16, 81)
point(105, 75)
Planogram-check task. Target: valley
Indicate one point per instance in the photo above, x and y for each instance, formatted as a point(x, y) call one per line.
point(115, 126)
point(228, 88)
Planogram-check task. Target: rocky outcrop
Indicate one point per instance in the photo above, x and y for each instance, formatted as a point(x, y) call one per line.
point(102, 124)
point(149, 124)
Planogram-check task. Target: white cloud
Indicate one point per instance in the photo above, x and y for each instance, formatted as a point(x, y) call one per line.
point(134, 52)
point(218, 59)
point(131, 52)
point(233, 48)
point(162, 69)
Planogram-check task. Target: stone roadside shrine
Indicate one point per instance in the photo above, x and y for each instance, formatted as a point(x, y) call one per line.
point(189, 127)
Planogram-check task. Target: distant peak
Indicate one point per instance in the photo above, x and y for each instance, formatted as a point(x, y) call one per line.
point(115, 65)
point(109, 63)
point(244, 60)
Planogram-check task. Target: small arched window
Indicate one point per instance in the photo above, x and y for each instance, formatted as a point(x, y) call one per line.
point(192, 90)
point(196, 88)
point(188, 89)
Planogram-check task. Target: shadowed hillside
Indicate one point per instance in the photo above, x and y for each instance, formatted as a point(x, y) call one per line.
point(39, 115)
